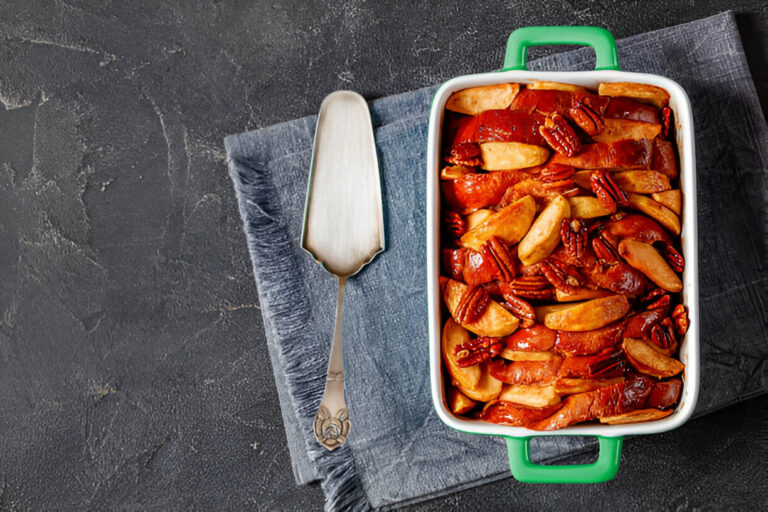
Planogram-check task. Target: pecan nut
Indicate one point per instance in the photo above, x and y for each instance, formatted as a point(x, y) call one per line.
point(573, 233)
point(607, 191)
point(455, 225)
point(560, 136)
point(605, 249)
point(472, 305)
point(519, 307)
point(563, 276)
point(663, 336)
point(657, 298)
point(666, 121)
point(605, 362)
point(673, 257)
point(556, 172)
point(466, 154)
point(530, 287)
point(495, 252)
point(680, 319)
point(478, 350)
point(586, 119)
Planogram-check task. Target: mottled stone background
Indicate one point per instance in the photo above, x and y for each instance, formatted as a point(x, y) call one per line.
point(133, 371)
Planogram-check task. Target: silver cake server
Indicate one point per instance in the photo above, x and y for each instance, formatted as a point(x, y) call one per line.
point(343, 227)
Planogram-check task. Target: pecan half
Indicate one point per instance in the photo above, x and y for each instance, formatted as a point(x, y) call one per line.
point(531, 287)
point(495, 252)
point(607, 191)
point(519, 307)
point(466, 153)
point(564, 277)
point(587, 119)
point(556, 172)
point(478, 350)
point(560, 136)
point(655, 299)
point(673, 257)
point(573, 233)
point(605, 249)
point(472, 305)
point(455, 225)
point(680, 319)
point(663, 336)
point(605, 362)
point(666, 121)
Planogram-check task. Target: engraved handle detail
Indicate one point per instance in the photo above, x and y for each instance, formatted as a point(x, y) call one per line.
point(332, 424)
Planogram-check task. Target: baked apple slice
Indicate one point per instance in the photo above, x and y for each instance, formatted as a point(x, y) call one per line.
point(545, 309)
point(544, 234)
point(641, 182)
point(672, 199)
point(459, 402)
point(662, 214)
point(589, 315)
point(580, 294)
point(545, 85)
point(530, 395)
point(638, 416)
point(510, 224)
point(477, 99)
point(620, 129)
point(495, 321)
point(453, 336)
point(508, 413)
point(587, 207)
point(648, 360)
point(644, 93)
point(499, 156)
point(573, 386)
point(524, 355)
point(488, 388)
point(647, 260)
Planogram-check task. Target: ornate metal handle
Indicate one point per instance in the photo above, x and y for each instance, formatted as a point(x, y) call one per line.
point(332, 419)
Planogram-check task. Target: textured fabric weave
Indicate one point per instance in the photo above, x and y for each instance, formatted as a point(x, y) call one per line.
point(398, 450)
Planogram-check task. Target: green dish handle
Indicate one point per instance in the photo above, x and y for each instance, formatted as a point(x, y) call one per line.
point(602, 470)
point(596, 37)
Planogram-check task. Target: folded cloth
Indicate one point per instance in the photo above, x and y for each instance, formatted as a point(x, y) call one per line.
point(398, 451)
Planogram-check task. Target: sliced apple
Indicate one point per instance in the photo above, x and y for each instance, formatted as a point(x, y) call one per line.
point(459, 402)
point(478, 99)
point(572, 386)
point(454, 172)
point(530, 395)
point(643, 93)
point(647, 360)
point(641, 182)
point(544, 234)
point(621, 129)
point(647, 260)
point(582, 179)
point(589, 315)
point(524, 355)
point(545, 85)
point(453, 336)
point(672, 199)
point(488, 388)
point(476, 218)
point(637, 416)
point(661, 213)
point(544, 310)
point(496, 321)
point(510, 224)
point(581, 294)
point(587, 207)
point(500, 156)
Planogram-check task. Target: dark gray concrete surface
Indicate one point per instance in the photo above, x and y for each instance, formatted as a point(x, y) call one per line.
point(133, 371)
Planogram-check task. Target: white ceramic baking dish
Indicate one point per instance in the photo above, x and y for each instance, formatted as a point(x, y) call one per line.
point(607, 70)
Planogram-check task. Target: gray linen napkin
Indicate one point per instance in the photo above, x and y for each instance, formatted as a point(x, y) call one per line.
point(398, 450)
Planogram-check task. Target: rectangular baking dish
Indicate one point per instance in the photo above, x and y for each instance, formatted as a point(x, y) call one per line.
point(607, 70)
